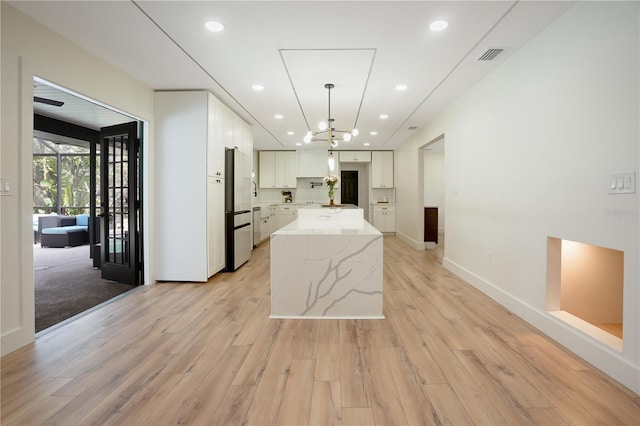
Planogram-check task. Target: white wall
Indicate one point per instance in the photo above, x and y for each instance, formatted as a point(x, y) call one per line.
point(529, 149)
point(28, 50)
point(434, 184)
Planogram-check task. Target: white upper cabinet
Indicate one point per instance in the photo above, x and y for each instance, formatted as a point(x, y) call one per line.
point(267, 169)
point(355, 156)
point(286, 169)
point(313, 163)
point(278, 169)
point(382, 169)
point(229, 121)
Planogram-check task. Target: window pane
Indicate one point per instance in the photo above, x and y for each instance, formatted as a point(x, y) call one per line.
point(72, 149)
point(40, 148)
point(75, 183)
point(45, 183)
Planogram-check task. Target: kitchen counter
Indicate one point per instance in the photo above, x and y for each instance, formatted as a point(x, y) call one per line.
point(327, 264)
point(337, 221)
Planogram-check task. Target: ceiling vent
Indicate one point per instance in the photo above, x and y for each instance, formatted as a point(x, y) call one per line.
point(412, 127)
point(490, 54)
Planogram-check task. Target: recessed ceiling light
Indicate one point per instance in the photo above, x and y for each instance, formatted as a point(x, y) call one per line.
point(373, 133)
point(366, 144)
point(257, 87)
point(401, 87)
point(214, 26)
point(298, 144)
point(278, 116)
point(438, 25)
point(290, 133)
point(384, 116)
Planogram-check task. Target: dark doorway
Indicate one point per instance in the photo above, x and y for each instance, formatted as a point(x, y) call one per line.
point(65, 168)
point(349, 187)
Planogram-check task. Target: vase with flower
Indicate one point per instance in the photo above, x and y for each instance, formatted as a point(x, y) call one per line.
point(331, 182)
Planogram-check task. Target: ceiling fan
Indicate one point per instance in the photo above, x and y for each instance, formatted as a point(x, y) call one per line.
point(47, 101)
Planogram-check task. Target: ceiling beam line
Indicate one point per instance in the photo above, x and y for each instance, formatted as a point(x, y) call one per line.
point(203, 69)
point(452, 70)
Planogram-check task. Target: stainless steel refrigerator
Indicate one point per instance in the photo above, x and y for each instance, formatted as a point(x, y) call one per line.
point(238, 208)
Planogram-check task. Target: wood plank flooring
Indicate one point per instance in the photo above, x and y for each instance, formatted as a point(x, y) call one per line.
point(208, 354)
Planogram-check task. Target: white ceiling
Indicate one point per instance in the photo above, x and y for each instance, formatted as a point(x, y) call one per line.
point(293, 48)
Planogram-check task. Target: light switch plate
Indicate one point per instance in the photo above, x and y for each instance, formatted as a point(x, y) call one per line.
point(622, 183)
point(5, 186)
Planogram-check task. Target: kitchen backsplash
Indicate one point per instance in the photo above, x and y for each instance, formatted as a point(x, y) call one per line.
point(379, 194)
point(304, 193)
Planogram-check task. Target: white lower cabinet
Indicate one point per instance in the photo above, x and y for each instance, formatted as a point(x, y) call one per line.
point(215, 224)
point(269, 219)
point(384, 218)
point(286, 215)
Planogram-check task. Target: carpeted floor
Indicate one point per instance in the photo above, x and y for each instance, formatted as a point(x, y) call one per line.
point(66, 284)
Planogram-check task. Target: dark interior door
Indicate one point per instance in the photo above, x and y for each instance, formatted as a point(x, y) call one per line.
point(119, 227)
point(349, 187)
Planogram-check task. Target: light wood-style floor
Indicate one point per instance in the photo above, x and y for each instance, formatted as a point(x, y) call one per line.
point(208, 354)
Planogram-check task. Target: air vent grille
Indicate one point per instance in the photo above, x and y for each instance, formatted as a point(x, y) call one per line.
point(412, 127)
point(490, 54)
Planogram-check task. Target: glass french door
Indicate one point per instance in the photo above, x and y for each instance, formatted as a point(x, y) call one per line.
point(120, 250)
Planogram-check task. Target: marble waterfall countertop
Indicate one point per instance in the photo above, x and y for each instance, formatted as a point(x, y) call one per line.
point(314, 220)
point(327, 264)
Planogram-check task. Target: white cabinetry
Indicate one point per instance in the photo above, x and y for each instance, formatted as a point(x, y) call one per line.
point(286, 169)
point(278, 169)
point(355, 156)
point(215, 135)
point(382, 169)
point(313, 163)
point(286, 215)
point(384, 218)
point(269, 218)
point(267, 169)
point(190, 135)
point(215, 225)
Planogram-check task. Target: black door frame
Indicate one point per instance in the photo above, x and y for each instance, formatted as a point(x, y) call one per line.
point(121, 253)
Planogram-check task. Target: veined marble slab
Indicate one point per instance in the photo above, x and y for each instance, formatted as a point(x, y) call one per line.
point(332, 270)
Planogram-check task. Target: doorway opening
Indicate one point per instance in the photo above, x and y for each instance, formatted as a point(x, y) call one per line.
point(349, 187)
point(432, 191)
point(77, 158)
point(585, 288)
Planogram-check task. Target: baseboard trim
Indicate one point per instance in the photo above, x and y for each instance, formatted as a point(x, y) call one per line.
point(15, 339)
point(593, 351)
point(418, 245)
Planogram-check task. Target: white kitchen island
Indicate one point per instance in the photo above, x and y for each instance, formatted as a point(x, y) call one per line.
point(327, 264)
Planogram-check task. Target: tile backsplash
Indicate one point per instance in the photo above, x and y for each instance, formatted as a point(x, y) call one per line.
point(305, 193)
point(302, 194)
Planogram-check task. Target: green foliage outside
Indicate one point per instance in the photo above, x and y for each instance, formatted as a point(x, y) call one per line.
point(75, 184)
point(45, 184)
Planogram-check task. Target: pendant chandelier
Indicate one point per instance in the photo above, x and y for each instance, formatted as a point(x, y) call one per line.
point(327, 132)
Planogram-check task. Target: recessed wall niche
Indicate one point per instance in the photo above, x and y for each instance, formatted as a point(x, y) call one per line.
point(585, 288)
